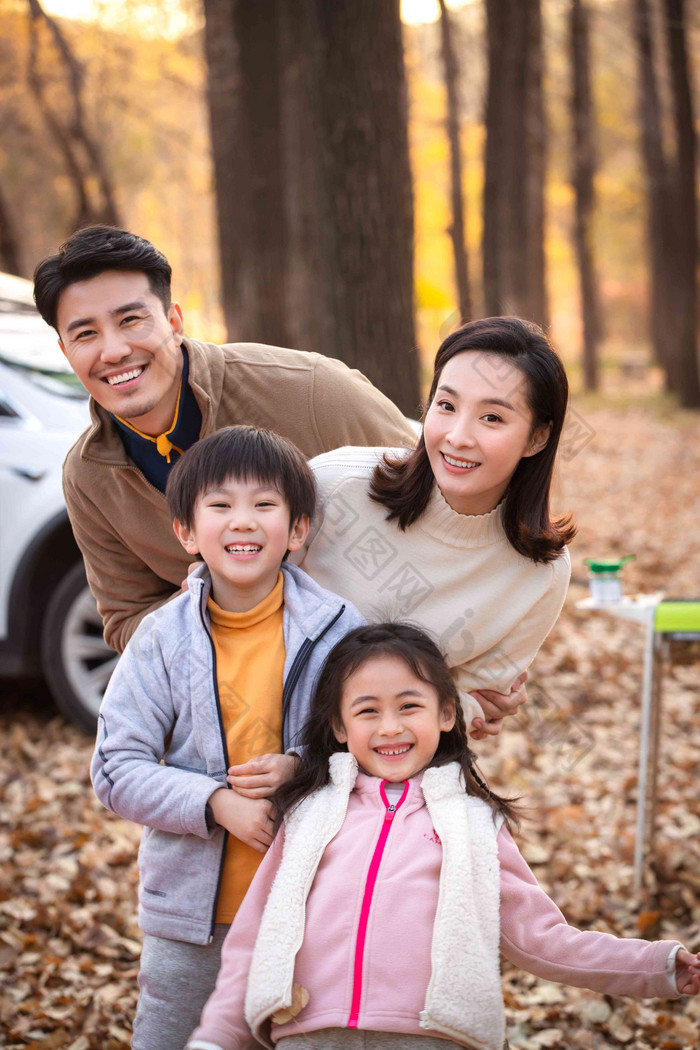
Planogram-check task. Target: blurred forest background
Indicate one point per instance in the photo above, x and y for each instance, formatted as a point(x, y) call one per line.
point(544, 165)
point(323, 175)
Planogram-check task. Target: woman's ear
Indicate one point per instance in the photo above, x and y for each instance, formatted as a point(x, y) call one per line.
point(538, 440)
point(298, 533)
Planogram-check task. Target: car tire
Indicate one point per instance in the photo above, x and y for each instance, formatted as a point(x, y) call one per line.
point(76, 661)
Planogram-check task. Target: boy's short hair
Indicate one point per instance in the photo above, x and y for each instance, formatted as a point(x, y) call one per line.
point(92, 251)
point(245, 454)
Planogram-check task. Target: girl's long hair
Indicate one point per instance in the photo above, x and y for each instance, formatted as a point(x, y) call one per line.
point(404, 486)
point(318, 742)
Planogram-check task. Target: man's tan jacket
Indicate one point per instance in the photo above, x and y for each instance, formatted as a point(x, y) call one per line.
point(121, 522)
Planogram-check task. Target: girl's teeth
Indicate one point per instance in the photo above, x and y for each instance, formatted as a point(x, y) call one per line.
point(124, 377)
point(394, 751)
point(459, 462)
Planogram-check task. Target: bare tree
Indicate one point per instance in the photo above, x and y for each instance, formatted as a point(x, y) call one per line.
point(516, 140)
point(687, 379)
point(10, 254)
point(457, 226)
point(672, 221)
point(323, 217)
point(79, 147)
point(583, 176)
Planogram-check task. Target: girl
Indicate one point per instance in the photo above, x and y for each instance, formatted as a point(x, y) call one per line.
point(378, 912)
point(457, 535)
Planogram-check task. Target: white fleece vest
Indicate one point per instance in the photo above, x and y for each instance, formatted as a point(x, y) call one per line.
point(464, 999)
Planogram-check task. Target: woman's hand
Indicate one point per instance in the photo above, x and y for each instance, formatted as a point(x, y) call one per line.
point(687, 972)
point(496, 707)
point(261, 776)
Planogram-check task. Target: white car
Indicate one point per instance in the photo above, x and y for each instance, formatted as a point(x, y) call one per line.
point(49, 625)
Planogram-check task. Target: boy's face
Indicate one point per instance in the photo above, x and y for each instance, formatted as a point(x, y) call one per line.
point(242, 531)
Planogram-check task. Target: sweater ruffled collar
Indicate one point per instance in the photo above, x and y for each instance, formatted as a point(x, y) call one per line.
point(460, 530)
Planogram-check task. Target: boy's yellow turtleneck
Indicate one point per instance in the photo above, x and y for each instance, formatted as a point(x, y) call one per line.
point(250, 652)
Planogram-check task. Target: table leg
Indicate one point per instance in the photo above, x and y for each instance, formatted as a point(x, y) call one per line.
point(660, 654)
point(644, 744)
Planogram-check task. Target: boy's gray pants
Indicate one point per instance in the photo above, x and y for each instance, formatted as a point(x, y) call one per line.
point(175, 980)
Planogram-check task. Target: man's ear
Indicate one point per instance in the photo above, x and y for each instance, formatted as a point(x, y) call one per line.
point(176, 320)
point(339, 733)
point(63, 349)
point(539, 439)
point(185, 536)
point(298, 533)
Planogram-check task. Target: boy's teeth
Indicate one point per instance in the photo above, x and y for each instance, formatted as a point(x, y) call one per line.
point(246, 548)
point(459, 462)
point(124, 377)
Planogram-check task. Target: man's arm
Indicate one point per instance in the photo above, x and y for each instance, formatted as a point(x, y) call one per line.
point(348, 410)
point(124, 587)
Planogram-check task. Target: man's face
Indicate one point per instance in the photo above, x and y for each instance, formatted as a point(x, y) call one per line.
point(123, 347)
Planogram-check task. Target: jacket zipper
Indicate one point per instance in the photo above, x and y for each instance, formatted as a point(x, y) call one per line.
point(367, 903)
point(298, 664)
point(225, 747)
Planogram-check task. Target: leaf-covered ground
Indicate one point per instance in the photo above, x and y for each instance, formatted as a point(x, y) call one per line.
point(69, 943)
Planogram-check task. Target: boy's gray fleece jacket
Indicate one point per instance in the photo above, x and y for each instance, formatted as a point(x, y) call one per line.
point(162, 704)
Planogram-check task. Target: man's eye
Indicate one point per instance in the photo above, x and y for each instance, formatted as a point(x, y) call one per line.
point(131, 317)
point(83, 333)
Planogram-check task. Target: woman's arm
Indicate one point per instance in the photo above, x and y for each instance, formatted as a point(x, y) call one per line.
point(536, 937)
point(223, 1023)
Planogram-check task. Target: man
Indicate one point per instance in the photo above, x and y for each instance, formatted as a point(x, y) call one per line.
point(153, 394)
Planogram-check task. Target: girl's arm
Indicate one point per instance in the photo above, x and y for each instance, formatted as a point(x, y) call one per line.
point(536, 937)
point(223, 1025)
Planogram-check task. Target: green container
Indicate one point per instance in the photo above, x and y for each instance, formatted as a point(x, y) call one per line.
point(604, 578)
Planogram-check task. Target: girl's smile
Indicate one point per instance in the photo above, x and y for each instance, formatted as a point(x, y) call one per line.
point(391, 720)
point(477, 429)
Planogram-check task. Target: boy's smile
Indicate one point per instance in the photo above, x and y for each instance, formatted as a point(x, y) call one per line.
point(242, 531)
point(391, 720)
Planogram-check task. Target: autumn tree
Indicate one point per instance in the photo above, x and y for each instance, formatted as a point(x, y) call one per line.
point(516, 138)
point(457, 225)
point(669, 161)
point(66, 123)
point(313, 180)
point(583, 180)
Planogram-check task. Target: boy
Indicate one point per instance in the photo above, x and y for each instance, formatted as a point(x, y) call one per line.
point(217, 676)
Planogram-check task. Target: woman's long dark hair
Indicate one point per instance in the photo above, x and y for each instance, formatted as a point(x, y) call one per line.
point(404, 486)
point(318, 740)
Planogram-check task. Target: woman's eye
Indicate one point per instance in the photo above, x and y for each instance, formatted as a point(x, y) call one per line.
point(446, 406)
point(491, 417)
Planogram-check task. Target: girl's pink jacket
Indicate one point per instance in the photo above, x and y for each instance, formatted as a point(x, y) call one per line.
point(379, 957)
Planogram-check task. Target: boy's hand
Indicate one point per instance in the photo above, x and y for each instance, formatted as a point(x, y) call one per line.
point(687, 972)
point(246, 818)
point(260, 777)
point(496, 707)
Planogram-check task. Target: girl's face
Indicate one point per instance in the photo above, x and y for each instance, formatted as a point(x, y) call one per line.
point(477, 429)
point(390, 719)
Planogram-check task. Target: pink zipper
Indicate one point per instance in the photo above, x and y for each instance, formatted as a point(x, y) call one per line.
point(367, 902)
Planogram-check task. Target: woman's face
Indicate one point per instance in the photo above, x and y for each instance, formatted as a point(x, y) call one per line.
point(477, 429)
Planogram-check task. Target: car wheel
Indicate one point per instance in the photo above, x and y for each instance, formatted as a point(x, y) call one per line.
point(76, 661)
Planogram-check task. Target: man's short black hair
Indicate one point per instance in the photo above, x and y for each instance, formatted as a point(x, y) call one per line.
point(92, 251)
point(244, 454)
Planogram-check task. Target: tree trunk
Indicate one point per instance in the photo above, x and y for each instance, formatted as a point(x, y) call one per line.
point(686, 213)
point(313, 179)
point(10, 254)
point(583, 175)
point(660, 214)
point(513, 239)
point(81, 149)
point(244, 105)
point(457, 227)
